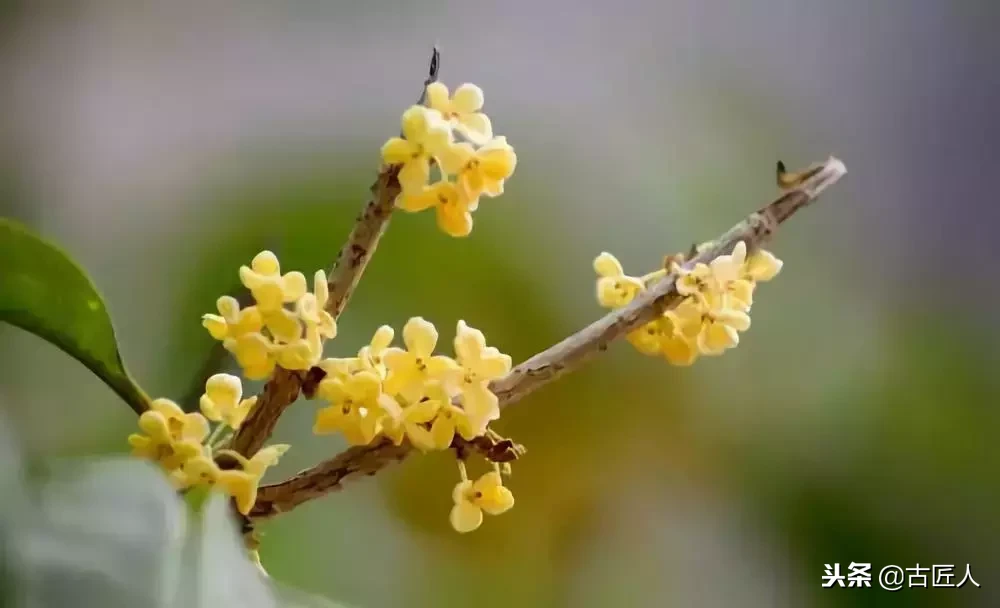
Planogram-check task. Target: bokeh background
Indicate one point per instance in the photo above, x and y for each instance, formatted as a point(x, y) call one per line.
point(163, 144)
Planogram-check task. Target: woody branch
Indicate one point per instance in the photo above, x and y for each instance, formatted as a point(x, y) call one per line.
point(560, 358)
point(284, 386)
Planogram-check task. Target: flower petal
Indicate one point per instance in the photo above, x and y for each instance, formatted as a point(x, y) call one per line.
point(607, 265)
point(397, 151)
point(420, 337)
point(465, 517)
point(414, 174)
point(442, 432)
point(468, 98)
point(454, 221)
point(294, 286)
point(437, 97)
point(476, 127)
point(266, 263)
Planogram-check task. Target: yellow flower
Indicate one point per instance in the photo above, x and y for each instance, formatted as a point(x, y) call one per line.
point(203, 471)
point(283, 325)
point(311, 308)
point(614, 288)
point(303, 353)
point(472, 498)
point(353, 409)
point(223, 400)
point(719, 330)
point(462, 109)
point(453, 209)
point(269, 287)
point(242, 484)
point(648, 339)
point(410, 369)
point(658, 338)
point(408, 420)
point(712, 329)
point(479, 171)
point(479, 365)
point(231, 322)
point(695, 282)
point(170, 437)
point(370, 356)
point(762, 266)
point(425, 135)
point(254, 353)
point(448, 419)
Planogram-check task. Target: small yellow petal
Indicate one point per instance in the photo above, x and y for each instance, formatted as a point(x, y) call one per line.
point(414, 174)
point(225, 390)
point(266, 263)
point(454, 221)
point(476, 127)
point(465, 517)
point(397, 151)
point(468, 98)
point(442, 432)
point(216, 326)
point(420, 337)
point(415, 123)
point(607, 265)
point(283, 325)
point(382, 338)
point(293, 286)
point(438, 97)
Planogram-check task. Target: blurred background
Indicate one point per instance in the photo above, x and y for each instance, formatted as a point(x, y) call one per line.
point(164, 144)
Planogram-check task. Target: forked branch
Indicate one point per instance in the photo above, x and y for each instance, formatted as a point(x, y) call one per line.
point(563, 357)
point(284, 386)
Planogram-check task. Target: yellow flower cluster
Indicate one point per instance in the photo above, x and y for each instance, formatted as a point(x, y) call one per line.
point(182, 445)
point(451, 133)
point(268, 333)
point(716, 306)
point(411, 393)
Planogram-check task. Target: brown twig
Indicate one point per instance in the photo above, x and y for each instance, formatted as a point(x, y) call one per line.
point(561, 358)
point(284, 386)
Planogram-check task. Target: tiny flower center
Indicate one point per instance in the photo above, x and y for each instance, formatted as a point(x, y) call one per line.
point(420, 364)
point(175, 426)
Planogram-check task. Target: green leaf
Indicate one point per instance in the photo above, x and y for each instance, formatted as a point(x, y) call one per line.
point(44, 292)
point(217, 571)
point(114, 532)
point(109, 533)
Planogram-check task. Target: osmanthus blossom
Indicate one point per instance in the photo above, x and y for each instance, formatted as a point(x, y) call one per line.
point(473, 498)
point(462, 109)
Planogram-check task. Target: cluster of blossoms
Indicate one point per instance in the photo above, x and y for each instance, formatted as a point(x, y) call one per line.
point(407, 393)
point(268, 334)
point(411, 393)
point(715, 308)
point(451, 134)
point(183, 446)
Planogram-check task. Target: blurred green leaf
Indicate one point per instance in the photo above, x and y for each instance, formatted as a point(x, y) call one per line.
point(44, 292)
point(216, 569)
point(115, 533)
point(106, 534)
